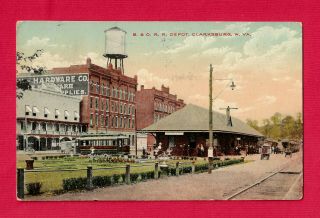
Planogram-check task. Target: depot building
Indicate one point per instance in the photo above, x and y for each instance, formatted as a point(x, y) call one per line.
point(187, 129)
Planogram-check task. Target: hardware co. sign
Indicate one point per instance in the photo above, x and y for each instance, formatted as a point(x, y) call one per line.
point(73, 84)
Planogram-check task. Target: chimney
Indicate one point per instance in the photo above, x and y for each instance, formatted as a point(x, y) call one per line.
point(110, 66)
point(164, 89)
point(88, 62)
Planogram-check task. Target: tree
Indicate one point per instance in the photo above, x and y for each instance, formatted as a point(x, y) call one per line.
point(254, 124)
point(280, 126)
point(25, 64)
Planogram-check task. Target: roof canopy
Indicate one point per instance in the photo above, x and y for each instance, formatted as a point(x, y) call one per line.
point(193, 118)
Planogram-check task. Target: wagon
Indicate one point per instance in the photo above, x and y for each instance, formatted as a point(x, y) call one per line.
point(265, 152)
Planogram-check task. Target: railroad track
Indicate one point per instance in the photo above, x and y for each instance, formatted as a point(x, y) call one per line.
point(269, 185)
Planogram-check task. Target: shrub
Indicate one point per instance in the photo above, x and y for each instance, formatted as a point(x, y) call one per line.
point(134, 177)
point(172, 171)
point(144, 176)
point(74, 183)
point(187, 169)
point(116, 178)
point(150, 175)
point(101, 181)
point(201, 168)
point(123, 176)
point(34, 188)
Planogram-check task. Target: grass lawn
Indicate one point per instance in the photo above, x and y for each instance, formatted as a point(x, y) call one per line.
point(53, 181)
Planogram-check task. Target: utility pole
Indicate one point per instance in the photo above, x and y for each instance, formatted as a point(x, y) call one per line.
point(210, 109)
point(210, 149)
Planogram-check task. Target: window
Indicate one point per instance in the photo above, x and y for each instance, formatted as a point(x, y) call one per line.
point(22, 126)
point(97, 88)
point(121, 108)
point(76, 116)
point(56, 113)
point(107, 105)
point(91, 102)
point(66, 115)
point(27, 110)
point(46, 112)
point(97, 119)
point(67, 128)
point(102, 89)
point(132, 110)
point(120, 94)
point(120, 122)
point(102, 104)
point(44, 126)
point(112, 106)
point(125, 109)
point(102, 120)
point(91, 119)
point(116, 122)
point(74, 129)
point(129, 109)
point(107, 121)
point(108, 91)
point(97, 103)
point(34, 126)
point(129, 123)
point(91, 86)
point(34, 111)
point(132, 123)
point(56, 127)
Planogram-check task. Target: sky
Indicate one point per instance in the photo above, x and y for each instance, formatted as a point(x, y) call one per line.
point(264, 60)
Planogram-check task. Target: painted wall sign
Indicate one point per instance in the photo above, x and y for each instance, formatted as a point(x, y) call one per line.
point(70, 84)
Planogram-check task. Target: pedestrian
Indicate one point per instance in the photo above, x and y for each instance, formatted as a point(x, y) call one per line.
point(202, 150)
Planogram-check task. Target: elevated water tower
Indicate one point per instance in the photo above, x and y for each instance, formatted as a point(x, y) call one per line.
point(115, 45)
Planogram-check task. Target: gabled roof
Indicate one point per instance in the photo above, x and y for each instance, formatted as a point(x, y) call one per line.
point(193, 118)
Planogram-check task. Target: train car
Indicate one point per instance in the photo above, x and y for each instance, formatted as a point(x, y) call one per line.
point(106, 144)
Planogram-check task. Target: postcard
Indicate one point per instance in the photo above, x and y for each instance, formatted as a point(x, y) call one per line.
point(159, 111)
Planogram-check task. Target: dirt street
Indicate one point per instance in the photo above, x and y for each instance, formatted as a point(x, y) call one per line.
point(222, 183)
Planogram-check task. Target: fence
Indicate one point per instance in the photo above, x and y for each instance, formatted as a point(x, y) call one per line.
point(127, 177)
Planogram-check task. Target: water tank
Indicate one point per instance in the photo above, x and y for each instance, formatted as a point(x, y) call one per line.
point(115, 41)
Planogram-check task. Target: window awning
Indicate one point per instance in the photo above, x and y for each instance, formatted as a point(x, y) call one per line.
point(35, 110)
point(76, 114)
point(46, 111)
point(57, 112)
point(28, 109)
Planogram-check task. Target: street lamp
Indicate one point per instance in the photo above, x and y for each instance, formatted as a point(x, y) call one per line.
point(213, 150)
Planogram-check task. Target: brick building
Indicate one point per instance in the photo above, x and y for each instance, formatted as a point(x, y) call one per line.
point(109, 108)
point(153, 105)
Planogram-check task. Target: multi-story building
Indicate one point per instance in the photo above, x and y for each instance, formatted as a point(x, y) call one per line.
point(46, 117)
point(152, 105)
point(110, 106)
